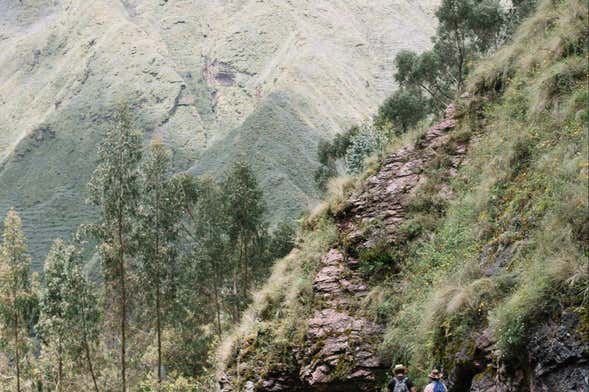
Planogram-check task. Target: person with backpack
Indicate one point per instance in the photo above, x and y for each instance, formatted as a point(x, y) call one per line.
point(435, 385)
point(400, 382)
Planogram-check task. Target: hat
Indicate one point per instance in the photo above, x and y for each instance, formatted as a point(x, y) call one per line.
point(435, 374)
point(399, 368)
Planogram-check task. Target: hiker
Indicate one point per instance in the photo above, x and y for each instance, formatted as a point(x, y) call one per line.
point(435, 385)
point(400, 382)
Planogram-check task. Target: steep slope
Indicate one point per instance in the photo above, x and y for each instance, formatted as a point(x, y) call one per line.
point(466, 250)
point(339, 346)
point(194, 72)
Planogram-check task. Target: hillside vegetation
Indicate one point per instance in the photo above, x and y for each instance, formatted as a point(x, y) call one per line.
point(487, 274)
point(198, 74)
point(453, 233)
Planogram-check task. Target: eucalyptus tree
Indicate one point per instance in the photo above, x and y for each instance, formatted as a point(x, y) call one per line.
point(159, 218)
point(52, 323)
point(466, 29)
point(245, 209)
point(69, 319)
point(17, 297)
point(207, 236)
point(404, 108)
point(114, 189)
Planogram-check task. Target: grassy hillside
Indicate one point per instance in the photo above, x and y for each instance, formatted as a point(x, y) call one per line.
point(511, 251)
point(193, 71)
point(281, 148)
point(497, 252)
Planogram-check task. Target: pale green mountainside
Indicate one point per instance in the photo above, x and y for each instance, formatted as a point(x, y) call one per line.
point(214, 79)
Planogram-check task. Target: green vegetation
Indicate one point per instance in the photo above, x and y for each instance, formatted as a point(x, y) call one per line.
point(280, 147)
point(404, 108)
point(158, 231)
point(502, 247)
point(467, 30)
point(114, 189)
point(69, 322)
point(275, 322)
point(18, 297)
point(328, 154)
point(510, 249)
point(179, 256)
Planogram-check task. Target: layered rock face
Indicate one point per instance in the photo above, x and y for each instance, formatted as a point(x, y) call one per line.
point(216, 80)
point(385, 197)
point(340, 347)
point(340, 350)
point(556, 359)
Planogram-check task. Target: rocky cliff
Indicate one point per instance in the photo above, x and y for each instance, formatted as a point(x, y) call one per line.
point(339, 350)
point(217, 80)
point(464, 249)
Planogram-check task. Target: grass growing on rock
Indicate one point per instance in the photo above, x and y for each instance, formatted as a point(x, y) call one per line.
point(274, 323)
point(501, 247)
point(511, 249)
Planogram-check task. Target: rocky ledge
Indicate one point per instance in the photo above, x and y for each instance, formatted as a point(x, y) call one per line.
point(386, 194)
point(340, 351)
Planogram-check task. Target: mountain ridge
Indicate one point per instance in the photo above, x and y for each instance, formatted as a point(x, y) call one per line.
point(192, 72)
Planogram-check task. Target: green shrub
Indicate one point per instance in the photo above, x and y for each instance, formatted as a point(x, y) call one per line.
point(405, 108)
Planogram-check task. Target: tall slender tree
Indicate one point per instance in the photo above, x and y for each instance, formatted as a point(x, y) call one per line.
point(17, 298)
point(83, 314)
point(69, 318)
point(114, 189)
point(52, 324)
point(207, 234)
point(245, 209)
point(466, 30)
point(158, 226)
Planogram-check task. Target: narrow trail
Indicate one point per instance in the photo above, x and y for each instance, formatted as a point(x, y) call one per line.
point(340, 353)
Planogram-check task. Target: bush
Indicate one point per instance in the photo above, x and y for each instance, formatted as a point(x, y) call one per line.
point(367, 141)
point(405, 108)
point(328, 153)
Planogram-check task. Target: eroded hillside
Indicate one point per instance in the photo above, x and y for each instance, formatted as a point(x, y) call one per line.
point(216, 80)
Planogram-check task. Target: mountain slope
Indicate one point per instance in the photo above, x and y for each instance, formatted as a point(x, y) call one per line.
point(466, 250)
point(194, 72)
point(338, 350)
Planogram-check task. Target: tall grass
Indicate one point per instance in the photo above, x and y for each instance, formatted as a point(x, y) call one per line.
point(511, 250)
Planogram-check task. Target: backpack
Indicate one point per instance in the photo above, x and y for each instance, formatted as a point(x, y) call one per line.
point(401, 385)
point(439, 387)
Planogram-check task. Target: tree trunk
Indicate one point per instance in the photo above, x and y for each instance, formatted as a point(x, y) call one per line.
point(59, 367)
point(89, 360)
point(461, 56)
point(235, 315)
point(159, 335)
point(86, 344)
point(157, 286)
point(217, 305)
point(246, 284)
point(16, 352)
point(241, 265)
point(123, 302)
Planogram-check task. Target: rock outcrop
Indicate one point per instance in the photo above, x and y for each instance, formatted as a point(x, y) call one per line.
point(387, 193)
point(340, 344)
point(556, 359)
point(340, 350)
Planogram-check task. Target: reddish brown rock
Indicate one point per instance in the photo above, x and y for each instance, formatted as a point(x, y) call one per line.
point(340, 349)
point(386, 194)
point(338, 339)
